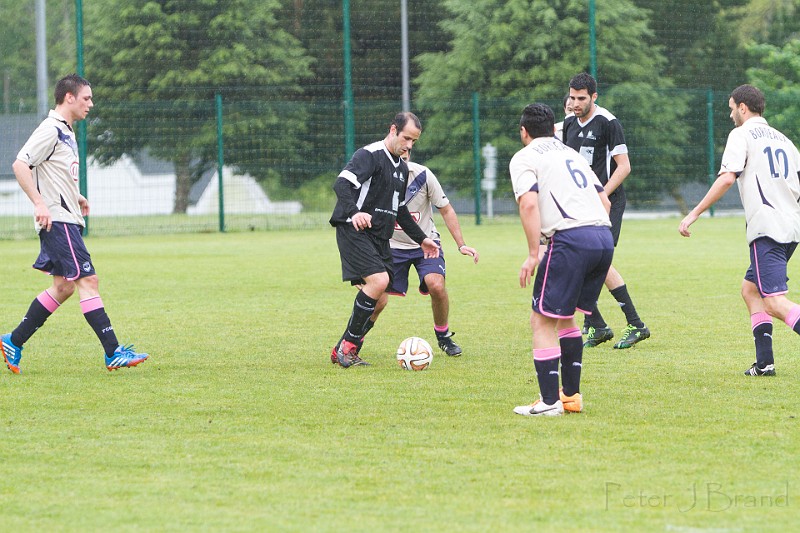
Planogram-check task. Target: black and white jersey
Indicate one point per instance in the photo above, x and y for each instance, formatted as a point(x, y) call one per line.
point(378, 181)
point(598, 140)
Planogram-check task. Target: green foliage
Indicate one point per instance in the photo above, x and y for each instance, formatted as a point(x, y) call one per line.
point(698, 41)
point(239, 422)
point(778, 75)
point(764, 21)
point(18, 45)
point(515, 52)
point(177, 54)
point(658, 139)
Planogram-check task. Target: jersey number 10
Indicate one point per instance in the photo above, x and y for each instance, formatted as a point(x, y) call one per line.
point(779, 159)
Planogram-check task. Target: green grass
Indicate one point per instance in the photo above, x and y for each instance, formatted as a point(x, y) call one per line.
point(239, 422)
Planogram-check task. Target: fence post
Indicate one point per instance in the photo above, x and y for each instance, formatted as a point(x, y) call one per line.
point(82, 181)
point(349, 111)
point(592, 41)
point(220, 162)
point(710, 135)
point(476, 154)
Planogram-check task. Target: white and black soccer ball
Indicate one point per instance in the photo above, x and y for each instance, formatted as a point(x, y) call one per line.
point(414, 353)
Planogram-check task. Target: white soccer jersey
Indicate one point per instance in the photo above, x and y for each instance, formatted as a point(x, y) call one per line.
point(766, 164)
point(51, 152)
point(567, 187)
point(422, 194)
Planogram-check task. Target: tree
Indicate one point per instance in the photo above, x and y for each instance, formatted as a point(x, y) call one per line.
point(764, 21)
point(692, 35)
point(376, 66)
point(513, 52)
point(18, 43)
point(778, 75)
point(156, 66)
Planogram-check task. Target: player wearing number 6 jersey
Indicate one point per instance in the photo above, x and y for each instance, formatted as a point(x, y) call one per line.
point(561, 198)
point(765, 164)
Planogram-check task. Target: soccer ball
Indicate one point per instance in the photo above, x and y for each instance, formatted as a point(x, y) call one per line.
point(414, 353)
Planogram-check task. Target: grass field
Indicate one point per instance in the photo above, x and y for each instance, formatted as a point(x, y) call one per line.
point(240, 423)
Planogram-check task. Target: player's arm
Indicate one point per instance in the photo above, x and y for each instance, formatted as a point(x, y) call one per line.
point(620, 173)
point(451, 221)
point(343, 188)
point(24, 177)
point(429, 247)
point(532, 225)
point(718, 189)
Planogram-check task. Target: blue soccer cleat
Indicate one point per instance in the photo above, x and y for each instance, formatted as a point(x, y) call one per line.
point(124, 356)
point(11, 353)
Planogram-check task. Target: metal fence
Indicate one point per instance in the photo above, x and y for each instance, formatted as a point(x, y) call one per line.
point(270, 180)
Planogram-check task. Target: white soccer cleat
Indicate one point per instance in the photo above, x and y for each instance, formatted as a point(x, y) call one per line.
point(539, 408)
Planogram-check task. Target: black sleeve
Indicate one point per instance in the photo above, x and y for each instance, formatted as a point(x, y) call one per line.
point(344, 193)
point(411, 228)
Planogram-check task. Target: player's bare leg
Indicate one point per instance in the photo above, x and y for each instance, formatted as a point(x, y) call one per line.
point(440, 305)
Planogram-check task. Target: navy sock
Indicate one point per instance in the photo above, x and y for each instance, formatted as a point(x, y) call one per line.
point(39, 311)
point(547, 374)
point(95, 315)
point(762, 335)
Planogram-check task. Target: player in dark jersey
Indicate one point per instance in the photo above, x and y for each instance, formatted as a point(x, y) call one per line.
point(370, 194)
point(597, 135)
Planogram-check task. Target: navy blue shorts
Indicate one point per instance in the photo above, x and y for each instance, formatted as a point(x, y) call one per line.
point(403, 259)
point(572, 271)
point(63, 253)
point(768, 260)
point(362, 254)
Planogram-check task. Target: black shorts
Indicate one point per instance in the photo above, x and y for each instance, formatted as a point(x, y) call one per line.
point(618, 203)
point(63, 252)
point(362, 254)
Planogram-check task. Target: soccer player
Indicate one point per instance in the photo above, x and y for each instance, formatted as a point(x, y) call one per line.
point(766, 166)
point(370, 194)
point(597, 135)
point(560, 198)
point(47, 170)
point(567, 105)
point(424, 191)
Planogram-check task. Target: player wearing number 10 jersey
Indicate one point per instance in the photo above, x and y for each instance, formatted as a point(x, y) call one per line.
point(765, 164)
point(560, 197)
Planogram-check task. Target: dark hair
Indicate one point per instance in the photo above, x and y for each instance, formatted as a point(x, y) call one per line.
point(402, 118)
point(565, 101)
point(538, 120)
point(751, 97)
point(70, 84)
point(583, 81)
